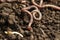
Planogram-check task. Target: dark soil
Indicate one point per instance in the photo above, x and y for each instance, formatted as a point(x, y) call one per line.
point(50, 22)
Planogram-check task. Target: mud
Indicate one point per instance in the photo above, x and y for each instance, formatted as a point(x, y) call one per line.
point(12, 19)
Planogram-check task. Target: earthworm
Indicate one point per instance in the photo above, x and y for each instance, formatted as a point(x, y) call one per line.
point(37, 11)
point(26, 8)
point(31, 19)
point(33, 12)
point(46, 5)
point(53, 6)
point(41, 1)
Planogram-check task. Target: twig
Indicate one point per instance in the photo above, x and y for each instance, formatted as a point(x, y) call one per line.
point(34, 12)
point(41, 2)
point(10, 32)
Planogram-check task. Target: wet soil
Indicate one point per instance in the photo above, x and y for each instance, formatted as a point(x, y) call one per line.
point(11, 18)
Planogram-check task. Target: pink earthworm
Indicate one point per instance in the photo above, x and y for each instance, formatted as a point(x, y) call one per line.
point(41, 1)
point(32, 15)
point(31, 19)
point(34, 12)
point(52, 6)
point(29, 7)
point(37, 11)
point(46, 5)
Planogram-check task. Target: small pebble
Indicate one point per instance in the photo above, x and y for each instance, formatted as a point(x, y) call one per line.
point(27, 33)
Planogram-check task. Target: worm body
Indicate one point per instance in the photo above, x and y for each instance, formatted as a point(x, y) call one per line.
point(35, 12)
point(46, 5)
point(52, 6)
point(31, 18)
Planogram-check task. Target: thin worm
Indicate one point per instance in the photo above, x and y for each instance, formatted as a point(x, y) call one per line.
point(31, 20)
point(26, 8)
point(53, 6)
point(35, 12)
point(41, 2)
point(46, 5)
point(33, 1)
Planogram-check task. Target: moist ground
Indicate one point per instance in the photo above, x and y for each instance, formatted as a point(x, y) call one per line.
point(50, 22)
